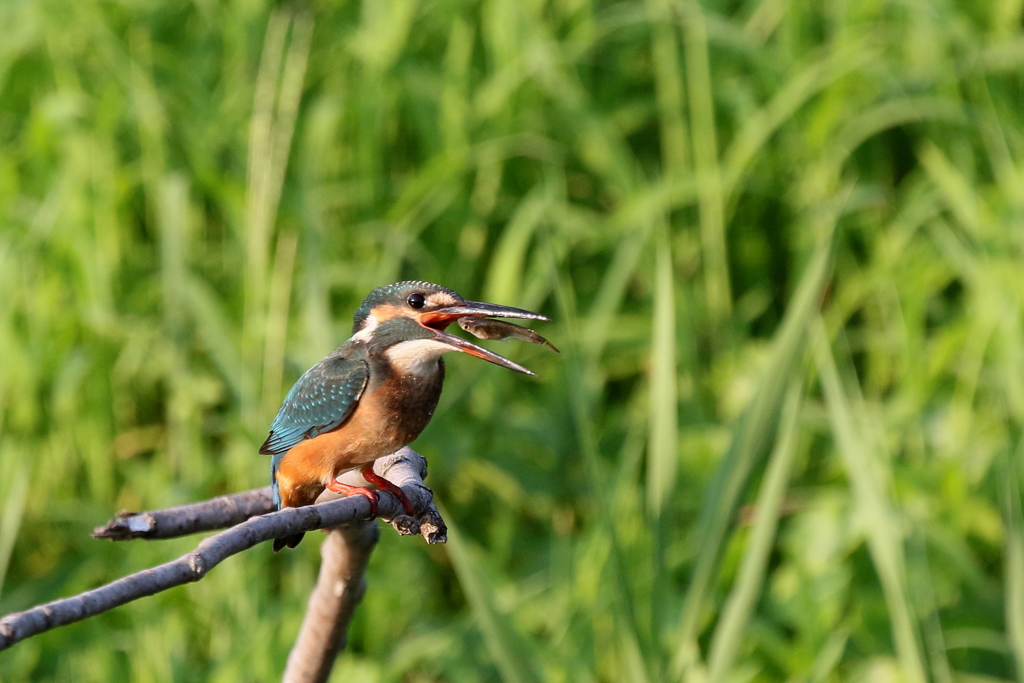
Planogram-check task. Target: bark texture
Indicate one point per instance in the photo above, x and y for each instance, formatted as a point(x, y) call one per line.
point(339, 588)
point(247, 527)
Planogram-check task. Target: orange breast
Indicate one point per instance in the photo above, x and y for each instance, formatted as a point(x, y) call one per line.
point(388, 417)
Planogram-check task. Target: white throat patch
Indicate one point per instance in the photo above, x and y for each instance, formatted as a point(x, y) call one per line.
point(417, 356)
point(366, 333)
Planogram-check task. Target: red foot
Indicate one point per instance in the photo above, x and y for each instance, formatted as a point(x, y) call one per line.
point(349, 490)
point(385, 485)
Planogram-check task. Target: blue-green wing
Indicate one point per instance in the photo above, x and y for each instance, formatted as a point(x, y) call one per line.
point(321, 400)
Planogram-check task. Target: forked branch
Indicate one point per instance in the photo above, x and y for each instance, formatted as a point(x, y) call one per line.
point(250, 524)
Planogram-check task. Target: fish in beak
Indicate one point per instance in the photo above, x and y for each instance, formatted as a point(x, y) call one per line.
point(485, 328)
point(437, 320)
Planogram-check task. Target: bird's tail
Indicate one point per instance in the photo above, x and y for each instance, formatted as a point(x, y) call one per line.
point(287, 541)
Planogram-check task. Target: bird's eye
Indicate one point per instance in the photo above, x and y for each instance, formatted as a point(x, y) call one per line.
point(416, 300)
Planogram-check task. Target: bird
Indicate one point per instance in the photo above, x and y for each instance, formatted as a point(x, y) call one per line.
point(372, 395)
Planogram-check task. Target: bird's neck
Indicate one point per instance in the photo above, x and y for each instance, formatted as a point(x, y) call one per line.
point(410, 397)
point(416, 357)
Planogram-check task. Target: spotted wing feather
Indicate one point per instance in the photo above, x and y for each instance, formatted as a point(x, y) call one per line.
point(321, 400)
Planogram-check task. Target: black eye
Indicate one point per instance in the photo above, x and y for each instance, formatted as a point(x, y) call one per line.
point(416, 300)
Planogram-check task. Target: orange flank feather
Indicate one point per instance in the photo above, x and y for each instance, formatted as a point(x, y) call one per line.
point(371, 432)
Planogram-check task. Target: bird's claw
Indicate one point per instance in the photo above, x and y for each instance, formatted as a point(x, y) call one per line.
point(384, 485)
point(336, 486)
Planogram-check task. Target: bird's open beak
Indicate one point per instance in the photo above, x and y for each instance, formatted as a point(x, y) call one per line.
point(460, 344)
point(439, 319)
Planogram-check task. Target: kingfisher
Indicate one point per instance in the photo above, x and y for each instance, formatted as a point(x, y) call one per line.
point(373, 394)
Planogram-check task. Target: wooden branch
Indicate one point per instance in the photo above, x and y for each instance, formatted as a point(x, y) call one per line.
point(216, 513)
point(403, 468)
point(407, 468)
point(339, 588)
point(346, 553)
point(191, 567)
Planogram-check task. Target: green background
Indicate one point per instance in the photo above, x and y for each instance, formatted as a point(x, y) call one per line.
point(782, 242)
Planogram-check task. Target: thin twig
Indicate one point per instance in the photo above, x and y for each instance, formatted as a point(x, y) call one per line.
point(339, 588)
point(216, 513)
point(403, 468)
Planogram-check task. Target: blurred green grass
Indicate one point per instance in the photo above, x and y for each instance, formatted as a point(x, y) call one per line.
point(713, 482)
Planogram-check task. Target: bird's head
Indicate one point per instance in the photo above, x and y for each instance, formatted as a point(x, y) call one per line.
point(405, 322)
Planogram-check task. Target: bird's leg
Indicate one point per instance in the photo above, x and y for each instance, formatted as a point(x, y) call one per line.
point(349, 490)
point(385, 485)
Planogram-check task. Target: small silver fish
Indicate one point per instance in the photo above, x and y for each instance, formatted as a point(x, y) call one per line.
point(486, 328)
